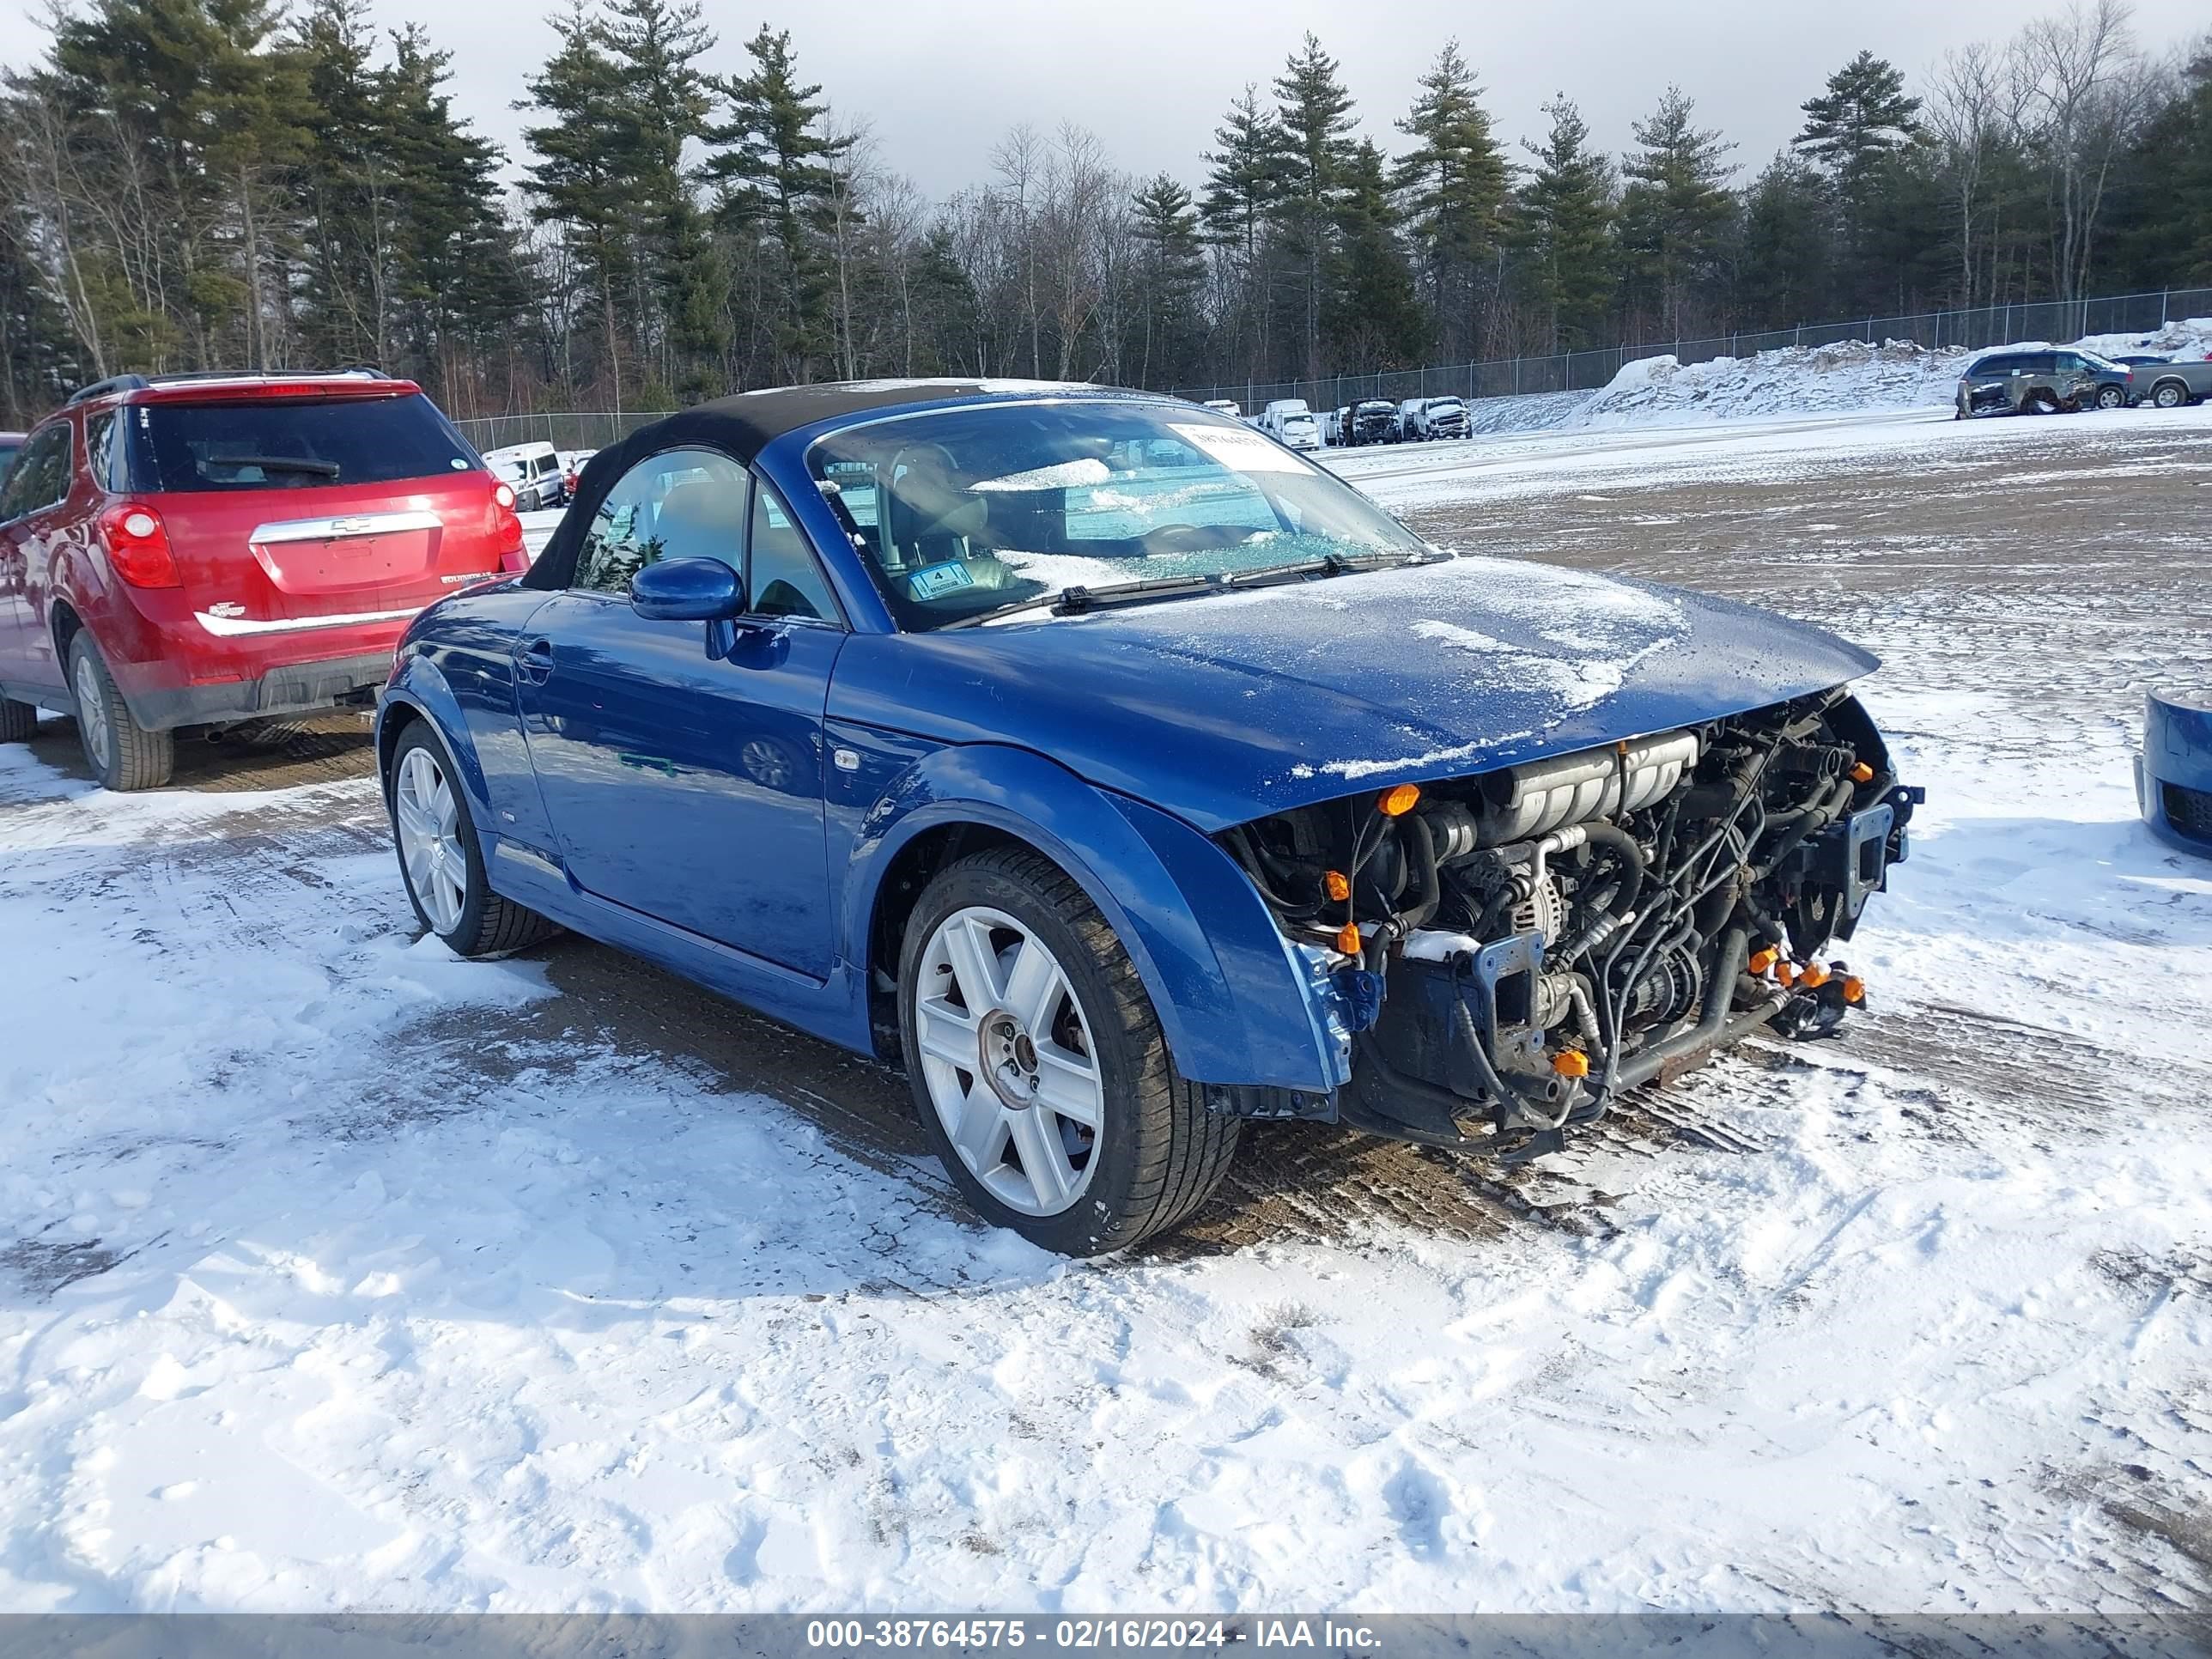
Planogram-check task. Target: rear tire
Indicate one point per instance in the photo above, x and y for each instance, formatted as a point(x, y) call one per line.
point(441, 858)
point(18, 721)
point(124, 755)
point(1153, 1153)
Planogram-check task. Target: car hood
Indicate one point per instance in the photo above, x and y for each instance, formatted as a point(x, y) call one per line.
point(1228, 707)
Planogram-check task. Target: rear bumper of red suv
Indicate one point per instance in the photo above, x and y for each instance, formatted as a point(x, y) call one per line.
point(293, 689)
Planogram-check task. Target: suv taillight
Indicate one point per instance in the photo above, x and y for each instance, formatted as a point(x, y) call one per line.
point(507, 528)
point(137, 544)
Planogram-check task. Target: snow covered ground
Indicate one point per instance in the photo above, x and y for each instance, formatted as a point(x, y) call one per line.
point(339, 1273)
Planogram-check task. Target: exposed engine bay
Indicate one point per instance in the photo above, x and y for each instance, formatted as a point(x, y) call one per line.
point(1519, 948)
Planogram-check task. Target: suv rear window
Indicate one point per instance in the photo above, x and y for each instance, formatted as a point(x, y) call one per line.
point(274, 444)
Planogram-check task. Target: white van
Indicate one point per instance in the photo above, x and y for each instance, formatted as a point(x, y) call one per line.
point(535, 471)
point(1290, 420)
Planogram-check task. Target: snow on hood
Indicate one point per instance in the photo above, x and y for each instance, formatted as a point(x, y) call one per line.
point(1226, 707)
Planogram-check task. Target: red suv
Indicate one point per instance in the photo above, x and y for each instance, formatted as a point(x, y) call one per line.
point(210, 550)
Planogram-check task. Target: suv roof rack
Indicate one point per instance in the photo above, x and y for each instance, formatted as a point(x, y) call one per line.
point(182, 377)
point(118, 383)
point(113, 383)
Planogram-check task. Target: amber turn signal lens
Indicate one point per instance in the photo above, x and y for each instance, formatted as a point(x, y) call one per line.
point(1854, 989)
point(1348, 940)
point(1785, 973)
point(1815, 976)
point(1764, 958)
point(1862, 772)
point(1399, 800)
point(1570, 1062)
point(1336, 884)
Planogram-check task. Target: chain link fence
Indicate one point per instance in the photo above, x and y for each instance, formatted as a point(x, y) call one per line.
point(1565, 371)
point(566, 430)
point(1589, 371)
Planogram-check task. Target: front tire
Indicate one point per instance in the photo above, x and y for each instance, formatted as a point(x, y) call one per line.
point(441, 858)
point(2169, 396)
point(18, 721)
point(124, 755)
point(1039, 1069)
point(2111, 396)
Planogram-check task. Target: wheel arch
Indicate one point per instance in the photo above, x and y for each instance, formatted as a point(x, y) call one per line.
point(2177, 382)
point(420, 694)
point(1231, 998)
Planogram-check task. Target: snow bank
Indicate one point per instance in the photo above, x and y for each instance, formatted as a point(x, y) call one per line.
point(1848, 375)
point(1845, 376)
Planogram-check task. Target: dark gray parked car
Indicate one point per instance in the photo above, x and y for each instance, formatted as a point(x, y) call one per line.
point(2042, 382)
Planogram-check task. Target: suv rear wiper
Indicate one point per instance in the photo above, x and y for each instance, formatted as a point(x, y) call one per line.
point(1074, 601)
point(276, 464)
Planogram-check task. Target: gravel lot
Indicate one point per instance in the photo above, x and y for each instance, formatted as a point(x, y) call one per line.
point(341, 1274)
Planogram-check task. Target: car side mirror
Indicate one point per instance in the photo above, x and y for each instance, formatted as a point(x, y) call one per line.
point(687, 590)
point(693, 590)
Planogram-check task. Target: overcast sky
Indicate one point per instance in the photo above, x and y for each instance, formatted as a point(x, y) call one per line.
point(940, 80)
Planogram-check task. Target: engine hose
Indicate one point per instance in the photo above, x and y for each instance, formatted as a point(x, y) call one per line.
point(1827, 812)
point(1507, 1095)
point(1735, 945)
point(1256, 867)
point(1423, 851)
point(1623, 847)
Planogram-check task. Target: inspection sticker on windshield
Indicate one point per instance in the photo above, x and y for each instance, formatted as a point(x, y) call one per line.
point(934, 581)
point(1239, 448)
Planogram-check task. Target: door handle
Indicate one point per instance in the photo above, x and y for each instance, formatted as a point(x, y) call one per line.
point(535, 661)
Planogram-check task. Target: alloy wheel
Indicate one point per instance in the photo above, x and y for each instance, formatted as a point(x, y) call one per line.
point(1008, 1061)
point(92, 714)
point(428, 820)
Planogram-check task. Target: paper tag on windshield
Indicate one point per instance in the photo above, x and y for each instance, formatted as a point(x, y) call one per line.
point(1239, 448)
point(934, 581)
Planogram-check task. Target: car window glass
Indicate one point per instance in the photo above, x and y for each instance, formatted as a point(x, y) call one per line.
point(98, 448)
point(280, 444)
point(41, 474)
point(963, 513)
point(681, 504)
point(785, 580)
point(2042, 362)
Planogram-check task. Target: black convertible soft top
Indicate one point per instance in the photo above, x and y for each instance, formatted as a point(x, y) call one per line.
point(742, 426)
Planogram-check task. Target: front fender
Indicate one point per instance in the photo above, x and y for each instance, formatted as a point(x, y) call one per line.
point(420, 690)
point(1236, 1000)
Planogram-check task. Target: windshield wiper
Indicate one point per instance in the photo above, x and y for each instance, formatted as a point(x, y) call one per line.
point(1331, 564)
point(277, 464)
point(1075, 601)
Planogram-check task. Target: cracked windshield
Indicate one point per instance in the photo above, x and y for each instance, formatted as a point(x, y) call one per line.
point(971, 513)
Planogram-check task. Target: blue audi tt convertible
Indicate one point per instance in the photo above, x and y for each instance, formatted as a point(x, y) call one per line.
point(1125, 775)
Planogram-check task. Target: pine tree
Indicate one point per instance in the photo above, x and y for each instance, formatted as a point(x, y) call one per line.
point(1862, 117)
point(1454, 180)
point(213, 109)
point(460, 292)
point(1675, 208)
point(1243, 180)
point(1171, 270)
point(1563, 222)
point(775, 166)
point(1783, 264)
point(1313, 111)
point(1244, 175)
point(1374, 317)
point(581, 181)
